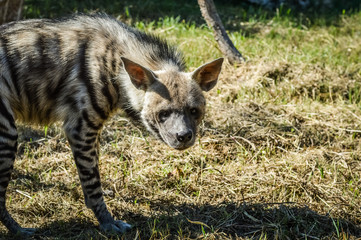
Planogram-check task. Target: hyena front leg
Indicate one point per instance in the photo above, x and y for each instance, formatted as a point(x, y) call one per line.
point(84, 142)
point(8, 145)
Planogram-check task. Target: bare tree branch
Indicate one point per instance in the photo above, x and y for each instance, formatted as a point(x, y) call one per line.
point(10, 10)
point(209, 13)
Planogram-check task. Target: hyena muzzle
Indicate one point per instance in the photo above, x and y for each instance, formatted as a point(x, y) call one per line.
point(81, 70)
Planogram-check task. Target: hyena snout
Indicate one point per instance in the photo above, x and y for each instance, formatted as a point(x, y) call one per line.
point(179, 132)
point(182, 139)
point(184, 136)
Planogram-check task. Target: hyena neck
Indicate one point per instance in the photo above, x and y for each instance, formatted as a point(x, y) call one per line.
point(147, 50)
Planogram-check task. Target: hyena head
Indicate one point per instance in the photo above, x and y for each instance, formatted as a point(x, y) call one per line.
point(174, 104)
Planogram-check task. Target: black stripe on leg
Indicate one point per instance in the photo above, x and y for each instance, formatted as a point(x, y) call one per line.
point(3, 127)
point(8, 148)
point(83, 148)
point(91, 134)
point(8, 136)
point(79, 155)
point(77, 137)
point(4, 184)
point(6, 170)
point(7, 155)
point(88, 174)
point(89, 122)
point(96, 195)
point(94, 186)
point(86, 148)
point(90, 140)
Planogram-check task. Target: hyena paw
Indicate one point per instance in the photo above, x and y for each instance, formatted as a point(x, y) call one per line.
point(26, 232)
point(116, 227)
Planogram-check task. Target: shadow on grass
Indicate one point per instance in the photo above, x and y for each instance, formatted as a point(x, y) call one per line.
point(274, 220)
point(71, 229)
point(226, 221)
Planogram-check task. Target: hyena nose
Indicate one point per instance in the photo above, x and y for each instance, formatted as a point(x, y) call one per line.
point(184, 136)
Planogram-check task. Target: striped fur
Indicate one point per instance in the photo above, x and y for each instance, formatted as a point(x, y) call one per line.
point(80, 71)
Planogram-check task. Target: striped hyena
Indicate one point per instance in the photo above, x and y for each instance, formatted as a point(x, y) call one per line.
point(80, 70)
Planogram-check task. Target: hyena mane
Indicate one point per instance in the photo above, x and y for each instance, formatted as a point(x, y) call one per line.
point(80, 70)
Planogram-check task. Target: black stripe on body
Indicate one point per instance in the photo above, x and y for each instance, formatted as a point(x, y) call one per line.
point(116, 65)
point(43, 64)
point(86, 79)
point(106, 73)
point(11, 65)
point(106, 92)
point(6, 83)
point(71, 100)
point(55, 89)
point(38, 65)
point(79, 125)
point(114, 59)
point(5, 112)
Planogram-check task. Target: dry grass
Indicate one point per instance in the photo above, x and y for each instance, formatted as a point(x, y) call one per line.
point(262, 169)
point(278, 155)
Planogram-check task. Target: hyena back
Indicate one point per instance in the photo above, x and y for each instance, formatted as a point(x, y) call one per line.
point(81, 70)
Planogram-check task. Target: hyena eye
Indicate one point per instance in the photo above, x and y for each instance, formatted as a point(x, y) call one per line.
point(163, 115)
point(194, 112)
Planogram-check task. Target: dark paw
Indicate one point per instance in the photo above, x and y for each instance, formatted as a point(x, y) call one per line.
point(116, 227)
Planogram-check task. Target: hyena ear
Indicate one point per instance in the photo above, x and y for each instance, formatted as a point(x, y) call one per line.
point(207, 75)
point(140, 76)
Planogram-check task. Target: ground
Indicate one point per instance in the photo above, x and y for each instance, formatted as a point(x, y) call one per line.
point(278, 155)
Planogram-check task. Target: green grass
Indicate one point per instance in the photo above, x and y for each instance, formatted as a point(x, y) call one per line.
point(279, 151)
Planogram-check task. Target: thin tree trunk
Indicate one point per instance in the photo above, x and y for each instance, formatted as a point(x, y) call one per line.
point(209, 13)
point(10, 10)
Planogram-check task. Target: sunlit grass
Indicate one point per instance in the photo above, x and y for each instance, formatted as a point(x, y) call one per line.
point(279, 151)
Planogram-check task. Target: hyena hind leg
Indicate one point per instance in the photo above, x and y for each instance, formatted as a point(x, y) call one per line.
point(83, 140)
point(8, 146)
